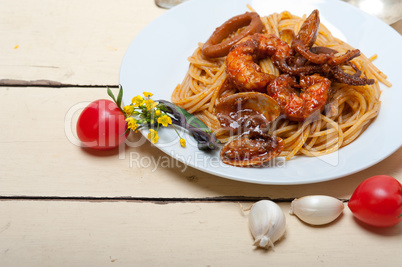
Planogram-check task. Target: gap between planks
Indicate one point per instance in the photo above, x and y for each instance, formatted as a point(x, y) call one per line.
point(156, 200)
point(47, 83)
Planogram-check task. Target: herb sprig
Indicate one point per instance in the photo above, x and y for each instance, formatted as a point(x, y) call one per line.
point(145, 112)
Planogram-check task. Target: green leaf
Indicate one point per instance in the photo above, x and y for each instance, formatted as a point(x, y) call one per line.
point(110, 93)
point(120, 96)
point(191, 119)
point(127, 130)
point(194, 121)
point(203, 135)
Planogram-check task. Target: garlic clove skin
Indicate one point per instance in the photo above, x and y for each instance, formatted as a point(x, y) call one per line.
point(267, 223)
point(317, 210)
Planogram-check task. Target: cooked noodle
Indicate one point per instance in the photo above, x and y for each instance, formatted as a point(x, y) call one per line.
point(346, 116)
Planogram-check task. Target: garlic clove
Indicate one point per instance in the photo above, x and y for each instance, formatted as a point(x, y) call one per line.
point(267, 223)
point(317, 210)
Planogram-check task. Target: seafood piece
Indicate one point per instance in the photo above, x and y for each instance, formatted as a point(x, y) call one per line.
point(220, 42)
point(246, 111)
point(306, 38)
point(349, 55)
point(299, 107)
point(334, 72)
point(251, 149)
point(246, 74)
point(299, 60)
point(241, 66)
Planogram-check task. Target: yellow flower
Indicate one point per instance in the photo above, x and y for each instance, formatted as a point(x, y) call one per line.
point(150, 104)
point(182, 142)
point(128, 110)
point(153, 136)
point(158, 112)
point(132, 123)
point(147, 94)
point(137, 101)
point(165, 120)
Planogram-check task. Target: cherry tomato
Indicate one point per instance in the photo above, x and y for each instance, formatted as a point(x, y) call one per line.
point(101, 125)
point(377, 201)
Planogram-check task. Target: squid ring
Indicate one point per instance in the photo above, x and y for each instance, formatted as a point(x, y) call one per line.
point(214, 47)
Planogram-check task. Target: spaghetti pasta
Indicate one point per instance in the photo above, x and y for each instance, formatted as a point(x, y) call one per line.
point(348, 113)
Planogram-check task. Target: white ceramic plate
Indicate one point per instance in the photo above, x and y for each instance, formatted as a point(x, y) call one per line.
point(156, 61)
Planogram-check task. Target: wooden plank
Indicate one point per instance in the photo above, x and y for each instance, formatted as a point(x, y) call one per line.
point(71, 42)
point(40, 158)
point(79, 233)
point(397, 26)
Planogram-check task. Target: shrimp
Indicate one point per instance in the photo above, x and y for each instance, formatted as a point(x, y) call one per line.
point(241, 65)
point(246, 74)
point(298, 107)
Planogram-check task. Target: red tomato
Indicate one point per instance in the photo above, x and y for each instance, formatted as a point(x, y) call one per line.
point(377, 201)
point(101, 125)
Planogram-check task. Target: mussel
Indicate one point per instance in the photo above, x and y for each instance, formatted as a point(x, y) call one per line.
point(252, 149)
point(243, 112)
point(249, 115)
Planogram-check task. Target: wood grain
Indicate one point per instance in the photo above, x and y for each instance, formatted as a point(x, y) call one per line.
point(63, 205)
point(44, 158)
point(72, 42)
point(75, 233)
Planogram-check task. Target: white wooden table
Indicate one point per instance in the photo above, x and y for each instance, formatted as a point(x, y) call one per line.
point(61, 205)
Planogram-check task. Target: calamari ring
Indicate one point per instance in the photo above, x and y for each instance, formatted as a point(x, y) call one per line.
point(214, 47)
